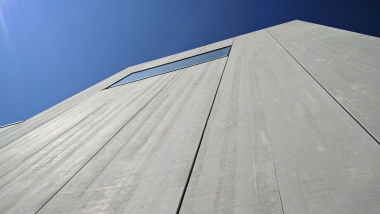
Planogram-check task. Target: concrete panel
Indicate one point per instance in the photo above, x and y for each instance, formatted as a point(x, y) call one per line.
point(323, 157)
point(234, 170)
point(30, 184)
point(347, 64)
point(29, 144)
point(272, 124)
point(144, 168)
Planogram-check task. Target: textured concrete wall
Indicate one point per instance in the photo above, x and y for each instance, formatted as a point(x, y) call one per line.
point(9, 126)
point(347, 64)
point(45, 117)
point(277, 142)
point(144, 168)
point(288, 123)
point(39, 158)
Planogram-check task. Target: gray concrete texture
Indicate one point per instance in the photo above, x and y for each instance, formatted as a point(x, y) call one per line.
point(288, 123)
point(347, 64)
point(5, 127)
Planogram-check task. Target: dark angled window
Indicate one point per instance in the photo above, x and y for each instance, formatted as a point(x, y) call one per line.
point(173, 66)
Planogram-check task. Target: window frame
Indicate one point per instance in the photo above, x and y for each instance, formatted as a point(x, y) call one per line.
point(228, 53)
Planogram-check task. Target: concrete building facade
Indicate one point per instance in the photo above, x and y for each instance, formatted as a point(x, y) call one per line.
point(289, 122)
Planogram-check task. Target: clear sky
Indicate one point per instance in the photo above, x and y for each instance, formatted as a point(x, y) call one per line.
point(51, 50)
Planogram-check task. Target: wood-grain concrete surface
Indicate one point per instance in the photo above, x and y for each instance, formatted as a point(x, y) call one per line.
point(347, 64)
point(31, 183)
point(53, 130)
point(5, 127)
point(277, 142)
point(234, 171)
point(144, 168)
point(27, 145)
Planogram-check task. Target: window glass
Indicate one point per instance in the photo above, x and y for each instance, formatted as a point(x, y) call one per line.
point(173, 66)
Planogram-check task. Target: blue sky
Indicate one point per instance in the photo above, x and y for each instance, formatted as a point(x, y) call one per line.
point(51, 50)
